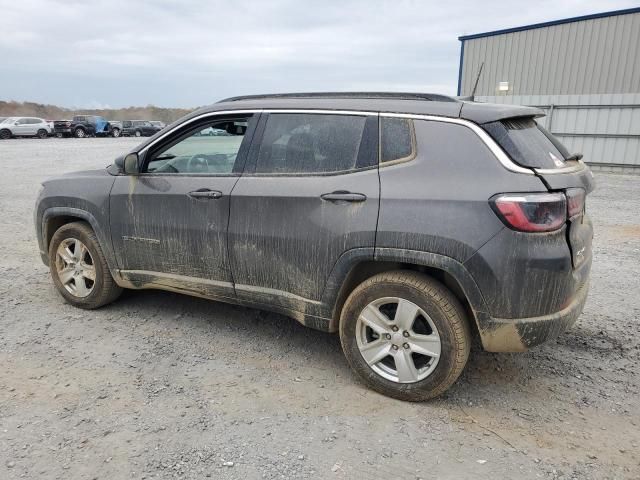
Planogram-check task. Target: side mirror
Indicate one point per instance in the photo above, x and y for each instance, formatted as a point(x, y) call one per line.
point(131, 166)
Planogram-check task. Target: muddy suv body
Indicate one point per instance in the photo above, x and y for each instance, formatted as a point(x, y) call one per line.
point(407, 222)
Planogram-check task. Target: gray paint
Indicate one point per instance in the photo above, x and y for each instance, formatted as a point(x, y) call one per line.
point(273, 242)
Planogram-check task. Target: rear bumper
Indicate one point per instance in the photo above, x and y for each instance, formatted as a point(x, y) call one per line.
point(518, 335)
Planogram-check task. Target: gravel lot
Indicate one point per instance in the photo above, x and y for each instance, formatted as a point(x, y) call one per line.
point(160, 385)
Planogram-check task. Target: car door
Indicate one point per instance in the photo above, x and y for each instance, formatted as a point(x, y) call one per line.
point(309, 194)
point(21, 127)
point(169, 223)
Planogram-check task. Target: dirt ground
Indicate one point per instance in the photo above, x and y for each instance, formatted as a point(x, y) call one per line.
point(160, 385)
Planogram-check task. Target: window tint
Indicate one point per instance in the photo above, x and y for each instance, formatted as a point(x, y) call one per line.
point(310, 143)
point(397, 139)
point(33, 121)
point(526, 143)
point(204, 151)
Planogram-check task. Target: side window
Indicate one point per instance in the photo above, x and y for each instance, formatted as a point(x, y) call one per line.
point(22, 121)
point(397, 139)
point(310, 143)
point(212, 148)
point(33, 121)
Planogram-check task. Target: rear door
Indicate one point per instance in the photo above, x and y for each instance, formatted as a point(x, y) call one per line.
point(309, 194)
point(169, 223)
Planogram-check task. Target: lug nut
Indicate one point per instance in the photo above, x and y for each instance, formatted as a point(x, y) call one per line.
point(395, 347)
point(388, 336)
point(394, 328)
point(406, 345)
point(406, 334)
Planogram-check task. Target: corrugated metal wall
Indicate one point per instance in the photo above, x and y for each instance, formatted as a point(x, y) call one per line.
point(584, 74)
point(585, 57)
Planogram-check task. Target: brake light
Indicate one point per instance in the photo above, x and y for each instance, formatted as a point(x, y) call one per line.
point(531, 212)
point(575, 201)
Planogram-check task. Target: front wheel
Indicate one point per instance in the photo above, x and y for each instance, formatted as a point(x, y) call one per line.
point(115, 132)
point(405, 335)
point(80, 133)
point(5, 134)
point(79, 269)
point(138, 133)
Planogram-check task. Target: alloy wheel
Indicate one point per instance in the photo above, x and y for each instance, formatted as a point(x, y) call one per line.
point(398, 340)
point(75, 267)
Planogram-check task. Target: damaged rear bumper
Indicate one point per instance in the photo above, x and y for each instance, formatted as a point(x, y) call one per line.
point(518, 335)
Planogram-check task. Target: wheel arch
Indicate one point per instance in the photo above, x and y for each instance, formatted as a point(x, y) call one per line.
point(353, 268)
point(55, 217)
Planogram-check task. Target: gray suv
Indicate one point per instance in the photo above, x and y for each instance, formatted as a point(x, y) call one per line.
point(408, 223)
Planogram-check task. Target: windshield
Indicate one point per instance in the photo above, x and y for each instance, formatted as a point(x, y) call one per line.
point(528, 143)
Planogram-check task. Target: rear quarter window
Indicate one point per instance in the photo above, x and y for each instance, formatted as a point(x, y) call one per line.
point(397, 139)
point(527, 143)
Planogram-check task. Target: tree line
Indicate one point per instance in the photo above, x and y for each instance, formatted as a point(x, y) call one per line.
point(53, 112)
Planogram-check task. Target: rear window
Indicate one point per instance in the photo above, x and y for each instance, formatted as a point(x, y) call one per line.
point(527, 143)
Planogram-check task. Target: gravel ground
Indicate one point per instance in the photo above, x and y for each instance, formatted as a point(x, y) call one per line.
point(160, 385)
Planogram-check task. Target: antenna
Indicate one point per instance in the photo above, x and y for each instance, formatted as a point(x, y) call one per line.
point(475, 85)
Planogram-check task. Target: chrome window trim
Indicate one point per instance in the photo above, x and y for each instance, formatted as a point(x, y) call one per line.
point(502, 157)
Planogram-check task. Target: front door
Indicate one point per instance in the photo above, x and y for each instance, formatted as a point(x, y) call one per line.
point(309, 194)
point(169, 223)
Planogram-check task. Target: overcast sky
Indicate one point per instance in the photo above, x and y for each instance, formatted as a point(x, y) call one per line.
point(189, 53)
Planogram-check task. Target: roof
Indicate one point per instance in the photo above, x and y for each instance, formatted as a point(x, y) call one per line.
point(551, 23)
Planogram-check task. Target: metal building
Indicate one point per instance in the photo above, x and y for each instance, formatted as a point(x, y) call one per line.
point(583, 71)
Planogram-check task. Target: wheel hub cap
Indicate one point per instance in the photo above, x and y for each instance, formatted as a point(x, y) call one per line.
point(75, 267)
point(398, 340)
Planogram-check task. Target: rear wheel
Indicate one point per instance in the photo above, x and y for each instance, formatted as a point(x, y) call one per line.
point(405, 335)
point(80, 133)
point(59, 135)
point(5, 134)
point(138, 133)
point(42, 133)
point(115, 132)
point(79, 269)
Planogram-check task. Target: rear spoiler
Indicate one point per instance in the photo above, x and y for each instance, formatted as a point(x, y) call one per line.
point(492, 112)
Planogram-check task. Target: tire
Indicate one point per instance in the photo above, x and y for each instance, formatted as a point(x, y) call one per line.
point(59, 135)
point(79, 133)
point(138, 133)
point(438, 318)
point(95, 293)
point(5, 134)
point(42, 133)
point(115, 132)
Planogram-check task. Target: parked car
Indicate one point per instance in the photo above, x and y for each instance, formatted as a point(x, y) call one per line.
point(24, 127)
point(157, 123)
point(213, 132)
point(408, 223)
point(82, 126)
point(116, 128)
point(139, 128)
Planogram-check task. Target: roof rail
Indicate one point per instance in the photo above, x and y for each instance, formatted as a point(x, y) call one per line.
point(434, 97)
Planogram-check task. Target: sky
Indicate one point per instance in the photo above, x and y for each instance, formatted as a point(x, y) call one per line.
point(112, 54)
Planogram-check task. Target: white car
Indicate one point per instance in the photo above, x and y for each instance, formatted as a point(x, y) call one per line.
point(24, 127)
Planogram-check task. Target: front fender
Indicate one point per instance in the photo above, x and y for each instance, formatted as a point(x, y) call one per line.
point(103, 237)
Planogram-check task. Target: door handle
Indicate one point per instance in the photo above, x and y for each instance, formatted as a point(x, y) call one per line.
point(205, 193)
point(343, 196)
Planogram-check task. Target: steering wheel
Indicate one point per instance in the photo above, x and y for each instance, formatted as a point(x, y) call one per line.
point(198, 164)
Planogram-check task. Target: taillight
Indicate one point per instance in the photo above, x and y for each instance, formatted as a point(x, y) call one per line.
point(531, 212)
point(575, 201)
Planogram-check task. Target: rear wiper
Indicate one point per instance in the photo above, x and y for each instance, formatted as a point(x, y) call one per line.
point(574, 156)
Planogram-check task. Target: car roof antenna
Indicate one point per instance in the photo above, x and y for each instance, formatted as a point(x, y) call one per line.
point(475, 85)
